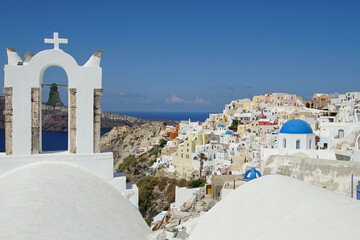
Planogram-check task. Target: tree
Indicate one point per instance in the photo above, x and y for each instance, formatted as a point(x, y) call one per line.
point(234, 125)
point(202, 158)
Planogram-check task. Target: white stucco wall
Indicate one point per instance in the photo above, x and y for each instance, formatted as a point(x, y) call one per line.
point(183, 194)
point(330, 174)
point(119, 182)
point(130, 191)
point(307, 141)
point(132, 194)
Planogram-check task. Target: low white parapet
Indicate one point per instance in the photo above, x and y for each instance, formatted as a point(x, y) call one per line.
point(99, 163)
point(130, 191)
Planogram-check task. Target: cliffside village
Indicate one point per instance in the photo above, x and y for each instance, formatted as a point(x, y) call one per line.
point(316, 141)
point(248, 131)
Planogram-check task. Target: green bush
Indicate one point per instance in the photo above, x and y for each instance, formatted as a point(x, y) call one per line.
point(162, 183)
point(163, 143)
point(197, 183)
point(146, 185)
point(234, 125)
point(126, 163)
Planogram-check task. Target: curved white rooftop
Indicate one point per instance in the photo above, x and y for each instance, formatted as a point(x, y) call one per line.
point(281, 208)
point(64, 201)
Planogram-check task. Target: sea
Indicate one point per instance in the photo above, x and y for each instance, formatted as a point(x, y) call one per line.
point(56, 141)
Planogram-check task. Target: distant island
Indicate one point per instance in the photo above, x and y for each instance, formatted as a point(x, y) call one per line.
point(56, 118)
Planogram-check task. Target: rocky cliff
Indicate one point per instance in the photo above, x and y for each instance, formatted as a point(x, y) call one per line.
point(125, 140)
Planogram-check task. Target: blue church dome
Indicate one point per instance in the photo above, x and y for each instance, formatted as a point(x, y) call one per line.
point(296, 126)
point(228, 132)
point(220, 126)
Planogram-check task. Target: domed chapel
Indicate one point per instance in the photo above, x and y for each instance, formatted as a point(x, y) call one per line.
point(295, 135)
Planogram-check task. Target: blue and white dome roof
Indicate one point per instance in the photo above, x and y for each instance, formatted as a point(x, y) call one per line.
point(296, 126)
point(228, 132)
point(220, 126)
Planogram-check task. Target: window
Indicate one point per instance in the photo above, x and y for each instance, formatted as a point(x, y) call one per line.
point(341, 133)
point(298, 144)
point(310, 144)
point(284, 143)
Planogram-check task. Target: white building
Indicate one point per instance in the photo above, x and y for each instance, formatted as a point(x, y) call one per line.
point(331, 134)
point(187, 128)
point(163, 161)
point(226, 137)
point(217, 157)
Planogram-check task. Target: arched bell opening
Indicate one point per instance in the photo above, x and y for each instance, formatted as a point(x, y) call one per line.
point(54, 95)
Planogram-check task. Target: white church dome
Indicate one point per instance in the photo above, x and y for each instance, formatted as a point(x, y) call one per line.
point(64, 201)
point(280, 208)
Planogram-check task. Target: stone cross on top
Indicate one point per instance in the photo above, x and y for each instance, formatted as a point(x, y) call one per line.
point(56, 40)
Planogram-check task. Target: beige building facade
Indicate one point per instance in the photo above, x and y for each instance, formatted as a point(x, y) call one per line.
point(278, 99)
point(183, 160)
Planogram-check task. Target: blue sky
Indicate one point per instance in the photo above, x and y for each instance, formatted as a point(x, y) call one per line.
point(190, 55)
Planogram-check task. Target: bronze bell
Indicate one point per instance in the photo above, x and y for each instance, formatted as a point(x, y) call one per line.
point(54, 97)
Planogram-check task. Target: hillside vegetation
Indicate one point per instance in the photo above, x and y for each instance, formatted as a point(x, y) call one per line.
point(156, 192)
